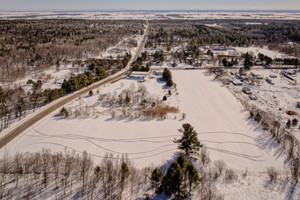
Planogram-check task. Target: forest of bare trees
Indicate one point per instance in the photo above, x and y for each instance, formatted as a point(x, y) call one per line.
point(274, 34)
point(35, 45)
point(72, 175)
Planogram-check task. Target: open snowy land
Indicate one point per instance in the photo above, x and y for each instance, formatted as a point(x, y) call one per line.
point(220, 120)
point(152, 15)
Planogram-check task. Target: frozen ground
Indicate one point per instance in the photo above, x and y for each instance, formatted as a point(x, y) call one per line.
point(221, 122)
point(142, 15)
point(237, 51)
point(265, 51)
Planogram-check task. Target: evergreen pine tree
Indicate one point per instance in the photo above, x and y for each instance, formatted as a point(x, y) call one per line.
point(170, 83)
point(124, 175)
point(248, 61)
point(156, 180)
point(167, 74)
point(193, 176)
point(189, 142)
point(172, 181)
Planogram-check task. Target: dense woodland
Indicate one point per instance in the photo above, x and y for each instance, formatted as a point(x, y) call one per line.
point(274, 34)
point(35, 45)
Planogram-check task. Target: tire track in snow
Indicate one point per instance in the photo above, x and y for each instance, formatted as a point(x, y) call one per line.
point(144, 139)
point(98, 156)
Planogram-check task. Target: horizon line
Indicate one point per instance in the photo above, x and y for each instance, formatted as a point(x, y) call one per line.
point(150, 10)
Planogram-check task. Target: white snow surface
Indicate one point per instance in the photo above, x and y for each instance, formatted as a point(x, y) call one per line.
point(220, 120)
point(265, 51)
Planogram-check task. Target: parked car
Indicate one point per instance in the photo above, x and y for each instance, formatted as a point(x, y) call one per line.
point(252, 97)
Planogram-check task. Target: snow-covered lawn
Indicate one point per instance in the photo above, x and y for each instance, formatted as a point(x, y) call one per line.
point(220, 120)
point(257, 50)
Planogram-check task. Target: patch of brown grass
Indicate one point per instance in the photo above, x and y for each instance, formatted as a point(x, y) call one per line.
point(159, 111)
point(291, 112)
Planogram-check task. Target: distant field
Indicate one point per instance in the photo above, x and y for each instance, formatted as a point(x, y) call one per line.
point(190, 15)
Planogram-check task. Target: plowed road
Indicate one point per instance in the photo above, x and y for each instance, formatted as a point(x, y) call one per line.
point(46, 110)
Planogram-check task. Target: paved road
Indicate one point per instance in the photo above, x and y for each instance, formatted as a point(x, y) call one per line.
point(46, 110)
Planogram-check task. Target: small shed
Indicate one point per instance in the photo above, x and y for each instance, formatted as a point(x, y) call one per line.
point(138, 75)
point(236, 82)
point(247, 90)
point(270, 81)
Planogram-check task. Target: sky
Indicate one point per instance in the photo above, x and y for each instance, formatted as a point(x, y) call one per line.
point(149, 4)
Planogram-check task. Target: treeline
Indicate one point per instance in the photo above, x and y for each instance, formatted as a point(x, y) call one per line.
point(274, 34)
point(231, 63)
point(68, 175)
point(35, 45)
point(265, 59)
point(288, 61)
point(186, 31)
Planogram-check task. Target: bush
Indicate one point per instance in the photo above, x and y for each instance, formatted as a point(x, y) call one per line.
point(230, 175)
point(245, 173)
point(29, 82)
point(165, 98)
point(220, 165)
point(169, 92)
point(159, 111)
point(272, 174)
point(251, 114)
point(91, 93)
point(170, 83)
point(257, 117)
point(295, 122)
point(204, 157)
point(64, 112)
point(265, 125)
point(167, 76)
point(291, 112)
point(288, 124)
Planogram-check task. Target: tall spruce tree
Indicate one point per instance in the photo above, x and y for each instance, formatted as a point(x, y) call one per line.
point(124, 176)
point(192, 176)
point(189, 142)
point(172, 181)
point(156, 180)
point(248, 61)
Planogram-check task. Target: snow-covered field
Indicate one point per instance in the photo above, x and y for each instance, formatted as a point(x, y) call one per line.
point(265, 51)
point(142, 15)
point(220, 120)
point(253, 50)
